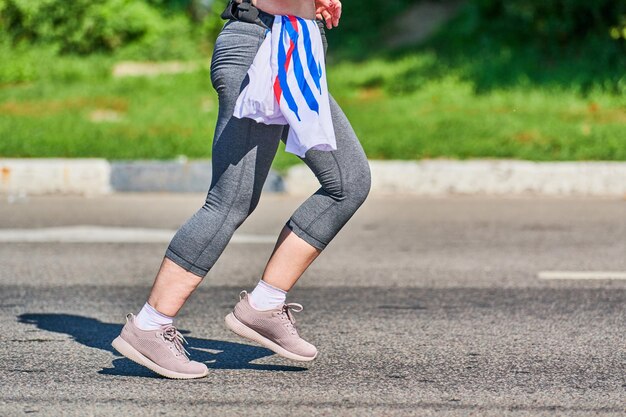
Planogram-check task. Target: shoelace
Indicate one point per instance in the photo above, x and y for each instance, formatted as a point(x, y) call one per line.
point(287, 312)
point(171, 334)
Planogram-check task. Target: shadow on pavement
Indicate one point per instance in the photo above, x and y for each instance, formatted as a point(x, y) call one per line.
point(96, 334)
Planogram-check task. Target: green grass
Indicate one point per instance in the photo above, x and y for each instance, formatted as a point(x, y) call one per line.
point(426, 114)
point(444, 116)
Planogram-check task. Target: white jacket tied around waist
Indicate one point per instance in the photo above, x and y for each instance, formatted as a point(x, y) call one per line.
point(288, 85)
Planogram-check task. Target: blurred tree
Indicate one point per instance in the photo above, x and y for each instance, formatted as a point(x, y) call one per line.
point(544, 23)
point(87, 26)
point(548, 22)
point(80, 26)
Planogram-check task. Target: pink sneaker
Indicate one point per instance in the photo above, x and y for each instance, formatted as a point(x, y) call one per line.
point(160, 350)
point(273, 329)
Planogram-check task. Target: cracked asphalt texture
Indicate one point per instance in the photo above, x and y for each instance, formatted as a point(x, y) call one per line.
point(418, 307)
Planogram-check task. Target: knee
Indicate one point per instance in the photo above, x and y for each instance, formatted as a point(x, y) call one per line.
point(352, 186)
point(358, 187)
point(234, 207)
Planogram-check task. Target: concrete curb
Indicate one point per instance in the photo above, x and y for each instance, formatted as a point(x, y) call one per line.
point(484, 177)
point(427, 178)
point(172, 176)
point(55, 176)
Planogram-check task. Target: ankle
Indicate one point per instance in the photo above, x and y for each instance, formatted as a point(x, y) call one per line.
point(266, 297)
point(150, 318)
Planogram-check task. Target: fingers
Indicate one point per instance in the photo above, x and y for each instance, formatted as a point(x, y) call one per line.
point(329, 11)
point(318, 12)
point(323, 4)
point(336, 13)
point(327, 18)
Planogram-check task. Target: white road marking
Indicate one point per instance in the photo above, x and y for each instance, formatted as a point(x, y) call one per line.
point(581, 275)
point(105, 234)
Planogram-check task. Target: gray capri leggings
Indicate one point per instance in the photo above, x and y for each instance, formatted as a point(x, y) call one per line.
point(243, 151)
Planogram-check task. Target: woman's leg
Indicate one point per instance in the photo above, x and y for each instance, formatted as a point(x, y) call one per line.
point(241, 164)
point(171, 288)
point(290, 258)
point(262, 316)
point(243, 151)
point(345, 180)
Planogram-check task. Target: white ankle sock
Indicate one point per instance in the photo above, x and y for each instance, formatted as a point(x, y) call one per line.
point(267, 297)
point(150, 319)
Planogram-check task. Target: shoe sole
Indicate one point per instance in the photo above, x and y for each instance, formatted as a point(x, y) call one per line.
point(123, 347)
point(246, 332)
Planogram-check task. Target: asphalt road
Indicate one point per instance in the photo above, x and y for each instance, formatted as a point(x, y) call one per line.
point(418, 307)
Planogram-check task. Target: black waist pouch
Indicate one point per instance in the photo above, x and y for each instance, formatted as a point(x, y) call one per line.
point(244, 12)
